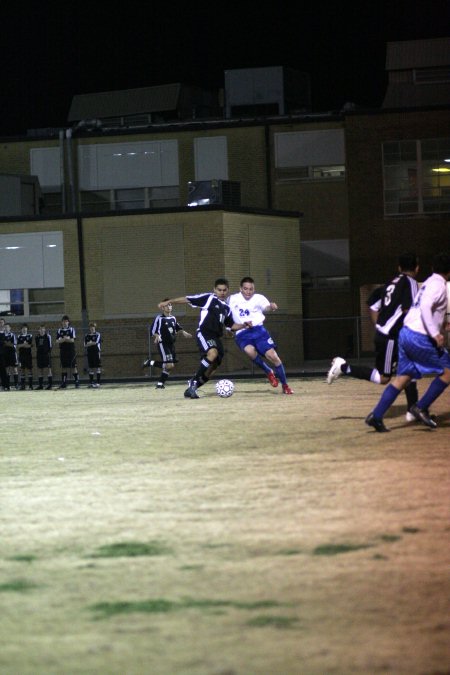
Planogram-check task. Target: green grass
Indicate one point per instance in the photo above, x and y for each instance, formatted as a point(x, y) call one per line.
point(337, 549)
point(145, 533)
point(130, 549)
point(26, 558)
point(17, 586)
point(162, 606)
point(273, 621)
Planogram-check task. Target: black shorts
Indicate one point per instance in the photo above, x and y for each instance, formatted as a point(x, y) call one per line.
point(43, 360)
point(386, 354)
point(206, 341)
point(10, 357)
point(93, 357)
point(26, 359)
point(67, 355)
point(167, 352)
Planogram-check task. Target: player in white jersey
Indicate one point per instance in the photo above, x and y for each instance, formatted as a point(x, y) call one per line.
point(256, 341)
point(421, 347)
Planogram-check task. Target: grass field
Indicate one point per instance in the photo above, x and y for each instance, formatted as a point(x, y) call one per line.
point(142, 533)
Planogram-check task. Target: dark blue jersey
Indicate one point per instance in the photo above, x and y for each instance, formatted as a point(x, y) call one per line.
point(396, 299)
point(214, 315)
point(24, 339)
point(167, 327)
point(43, 343)
point(93, 340)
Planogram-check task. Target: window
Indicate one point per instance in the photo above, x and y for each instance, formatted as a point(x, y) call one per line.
point(124, 166)
point(310, 155)
point(416, 176)
point(31, 273)
point(111, 176)
point(211, 158)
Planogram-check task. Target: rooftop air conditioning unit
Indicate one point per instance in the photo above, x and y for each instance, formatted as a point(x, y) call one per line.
point(218, 192)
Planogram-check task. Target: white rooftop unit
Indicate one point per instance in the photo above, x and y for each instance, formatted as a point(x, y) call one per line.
point(275, 90)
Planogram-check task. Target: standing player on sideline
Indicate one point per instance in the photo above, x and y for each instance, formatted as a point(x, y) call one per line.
point(3, 373)
point(164, 331)
point(214, 315)
point(65, 337)
point(43, 342)
point(93, 344)
point(256, 341)
point(388, 307)
point(10, 356)
point(24, 345)
point(421, 348)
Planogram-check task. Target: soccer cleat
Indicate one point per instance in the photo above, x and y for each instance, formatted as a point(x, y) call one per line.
point(287, 389)
point(335, 370)
point(160, 386)
point(39, 387)
point(272, 378)
point(147, 363)
point(423, 416)
point(77, 385)
point(48, 387)
point(410, 417)
point(377, 424)
point(63, 385)
point(191, 391)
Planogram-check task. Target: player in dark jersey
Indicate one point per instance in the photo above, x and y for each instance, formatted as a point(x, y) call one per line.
point(215, 314)
point(65, 337)
point(25, 355)
point(164, 331)
point(3, 373)
point(43, 341)
point(388, 306)
point(10, 356)
point(421, 347)
point(93, 344)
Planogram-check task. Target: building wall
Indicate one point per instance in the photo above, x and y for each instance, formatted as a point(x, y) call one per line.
point(130, 263)
point(376, 240)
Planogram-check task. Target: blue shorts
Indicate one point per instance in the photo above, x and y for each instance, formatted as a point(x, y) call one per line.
point(418, 355)
point(258, 337)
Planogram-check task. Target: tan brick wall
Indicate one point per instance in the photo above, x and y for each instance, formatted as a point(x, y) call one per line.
point(137, 260)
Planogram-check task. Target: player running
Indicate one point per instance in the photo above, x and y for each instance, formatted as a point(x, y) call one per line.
point(164, 331)
point(256, 341)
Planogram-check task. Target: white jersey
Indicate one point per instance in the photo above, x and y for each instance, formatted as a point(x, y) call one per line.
point(248, 310)
point(427, 313)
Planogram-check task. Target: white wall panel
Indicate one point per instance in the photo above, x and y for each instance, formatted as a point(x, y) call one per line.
point(31, 260)
point(309, 148)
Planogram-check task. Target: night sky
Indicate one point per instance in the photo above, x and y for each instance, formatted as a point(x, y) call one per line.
point(52, 51)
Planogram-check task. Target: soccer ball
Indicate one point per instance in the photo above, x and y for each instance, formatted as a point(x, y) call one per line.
point(224, 388)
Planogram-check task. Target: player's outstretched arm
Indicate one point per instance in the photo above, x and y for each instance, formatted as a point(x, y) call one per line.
point(173, 301)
